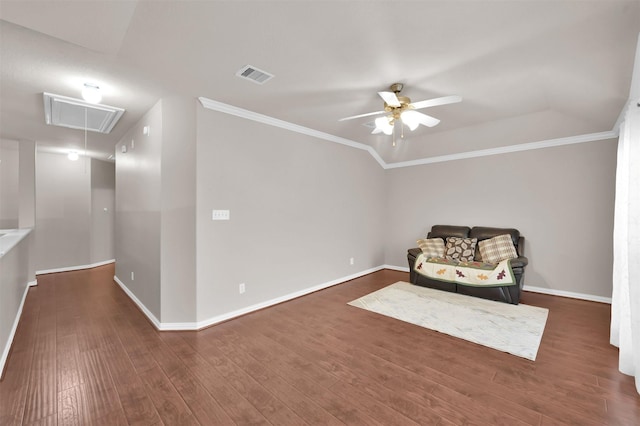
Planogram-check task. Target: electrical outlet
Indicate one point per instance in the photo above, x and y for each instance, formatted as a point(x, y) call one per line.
point(241, 288)
point(133, 277)
point(220, 215)
point(351, 261)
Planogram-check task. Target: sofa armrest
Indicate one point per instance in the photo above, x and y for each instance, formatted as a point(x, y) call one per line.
point(519, 262)
point(415, 252)
point(521, 246)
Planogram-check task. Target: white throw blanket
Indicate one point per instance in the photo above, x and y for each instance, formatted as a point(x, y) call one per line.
point(475, 274)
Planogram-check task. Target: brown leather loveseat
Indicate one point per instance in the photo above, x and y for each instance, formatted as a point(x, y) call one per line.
point(508, 294)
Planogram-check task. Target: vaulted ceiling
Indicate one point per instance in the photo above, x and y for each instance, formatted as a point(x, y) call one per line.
point(527, 71)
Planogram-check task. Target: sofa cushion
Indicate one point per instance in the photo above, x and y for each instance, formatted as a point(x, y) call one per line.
point(444, 231)
point(497, 249)
point(432, 247)
point(485, 233)
point(460, 249)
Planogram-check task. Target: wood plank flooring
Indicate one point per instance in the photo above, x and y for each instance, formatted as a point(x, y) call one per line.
point(84, 354)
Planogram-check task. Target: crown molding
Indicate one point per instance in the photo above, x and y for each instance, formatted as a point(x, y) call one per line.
point(265, 119)
point(591, 137)
point(270, 121)
point(631, 103)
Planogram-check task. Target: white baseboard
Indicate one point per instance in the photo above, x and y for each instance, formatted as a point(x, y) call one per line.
point(74, 268)
point(233, 314)
point(7, 348)
point(140, 305)
point(396, 268)
point(181, 326)
point(570, 294)
point(32, 283)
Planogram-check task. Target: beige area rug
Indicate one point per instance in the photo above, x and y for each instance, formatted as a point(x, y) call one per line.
point(515, 329)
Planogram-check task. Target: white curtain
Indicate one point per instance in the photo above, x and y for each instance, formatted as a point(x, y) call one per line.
point(625, 302)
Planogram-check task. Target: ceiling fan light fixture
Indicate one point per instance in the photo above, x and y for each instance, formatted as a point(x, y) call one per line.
point(385, 125)
point(411, 119)
point(400, 109)
point(91, 93)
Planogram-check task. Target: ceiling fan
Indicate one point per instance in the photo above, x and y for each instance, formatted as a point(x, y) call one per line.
point(400, 109)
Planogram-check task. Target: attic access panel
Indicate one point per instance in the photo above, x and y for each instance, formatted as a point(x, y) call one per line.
point(69, 112)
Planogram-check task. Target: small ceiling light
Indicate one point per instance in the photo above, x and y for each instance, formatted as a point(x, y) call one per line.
point(411, 118)
point(384, 125)
point(91, 93)
point(73, 156)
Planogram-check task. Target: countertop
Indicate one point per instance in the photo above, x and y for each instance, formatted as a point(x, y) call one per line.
point(9, 238)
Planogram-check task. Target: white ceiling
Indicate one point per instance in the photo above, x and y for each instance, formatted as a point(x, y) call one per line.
point(527, 70)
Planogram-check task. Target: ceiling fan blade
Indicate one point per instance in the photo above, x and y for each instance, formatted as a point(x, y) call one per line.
point(436, 101)
point(415, 116)
point(390, 98)
point(427, 120)
point(362, 115)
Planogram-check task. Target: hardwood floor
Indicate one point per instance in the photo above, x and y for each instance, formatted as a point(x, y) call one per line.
point(84, 354)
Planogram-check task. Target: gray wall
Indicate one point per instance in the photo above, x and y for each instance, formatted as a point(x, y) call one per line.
point(561, 200)
point(155, 210)
point(9, 195)
point(300, 208)
point(103, 188)
point(27, 185)
point(138, 203)
point(178, 221)
point(72, 229)
point(27, 189)
point(14, 278)
point(63, 212)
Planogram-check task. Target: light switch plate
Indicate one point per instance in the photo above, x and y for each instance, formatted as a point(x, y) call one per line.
point(220, 215)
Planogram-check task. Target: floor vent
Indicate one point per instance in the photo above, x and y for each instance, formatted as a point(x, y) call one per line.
point(254, 74)
point(69, 112)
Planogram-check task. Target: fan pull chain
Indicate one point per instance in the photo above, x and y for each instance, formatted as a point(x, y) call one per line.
point(393, 135)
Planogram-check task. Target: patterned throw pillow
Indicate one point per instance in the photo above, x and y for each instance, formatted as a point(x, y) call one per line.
point(432, 247)
point(460, 249)
point(497, 249)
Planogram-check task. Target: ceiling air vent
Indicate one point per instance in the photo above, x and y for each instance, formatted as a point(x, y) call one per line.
point(70, 112)
point(254, 74)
